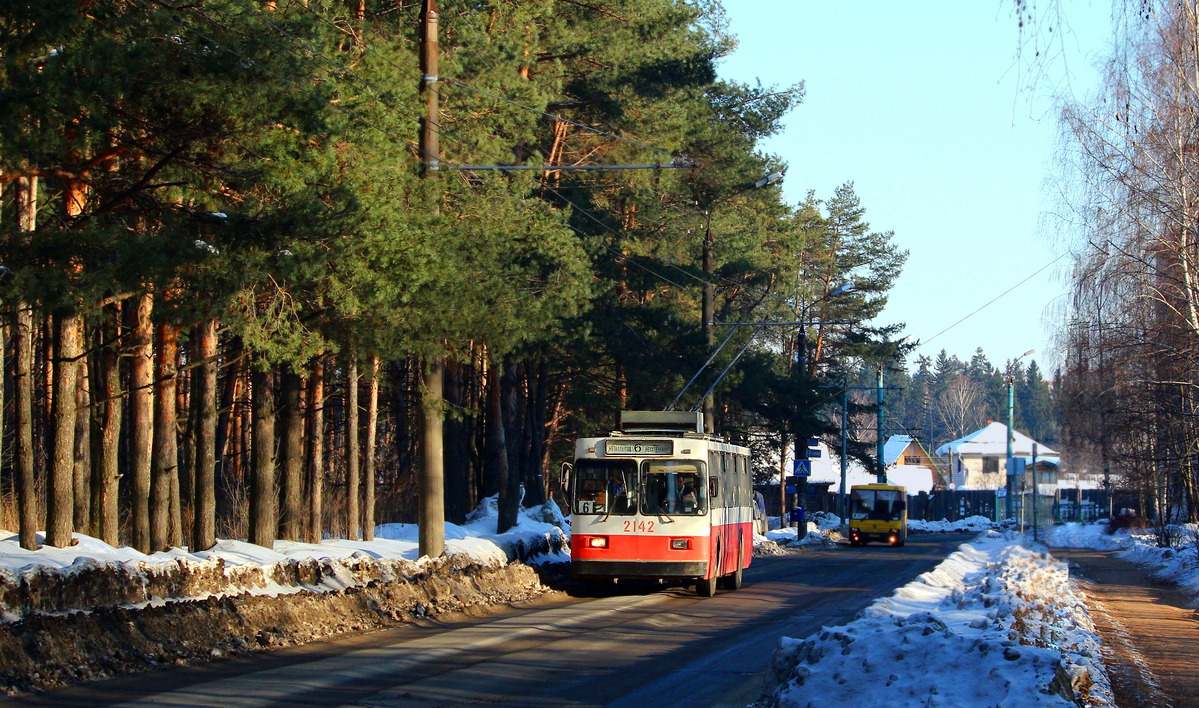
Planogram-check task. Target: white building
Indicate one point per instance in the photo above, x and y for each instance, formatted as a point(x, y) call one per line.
point(978, 460)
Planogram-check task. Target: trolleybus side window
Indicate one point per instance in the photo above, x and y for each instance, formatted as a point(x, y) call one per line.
point(674, 487)
point(743, 491)
point(605, 487)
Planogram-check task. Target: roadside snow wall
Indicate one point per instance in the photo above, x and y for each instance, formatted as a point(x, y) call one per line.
point(231, 610)
point(994, 624)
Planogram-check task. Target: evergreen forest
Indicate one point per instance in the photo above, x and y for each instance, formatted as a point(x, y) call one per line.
point(944, 398)
point(243, 297)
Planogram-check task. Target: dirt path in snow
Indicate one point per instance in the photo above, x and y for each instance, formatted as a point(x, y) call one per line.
point(1150, 635)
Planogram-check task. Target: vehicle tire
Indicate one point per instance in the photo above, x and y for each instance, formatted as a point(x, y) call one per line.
point(732, 581)
point(707, 587)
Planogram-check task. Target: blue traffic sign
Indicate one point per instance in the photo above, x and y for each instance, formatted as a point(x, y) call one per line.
point(803, 468)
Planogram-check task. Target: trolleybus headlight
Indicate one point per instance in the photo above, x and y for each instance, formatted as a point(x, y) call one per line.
point(680, 544)
point(597, 542)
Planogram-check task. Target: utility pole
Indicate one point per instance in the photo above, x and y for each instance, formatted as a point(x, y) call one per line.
point(1011, 399)
point(431, 478)
point(842, 511)
point(882, 463)
point(1034, 493)
point(1010, 476)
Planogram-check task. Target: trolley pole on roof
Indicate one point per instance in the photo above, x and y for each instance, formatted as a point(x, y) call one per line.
point(431, 476)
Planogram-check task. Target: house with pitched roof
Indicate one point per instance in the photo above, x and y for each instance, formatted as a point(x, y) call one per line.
point(978, 460)
point(908, 464)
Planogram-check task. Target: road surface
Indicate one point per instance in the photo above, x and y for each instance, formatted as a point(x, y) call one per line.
point(641, 646)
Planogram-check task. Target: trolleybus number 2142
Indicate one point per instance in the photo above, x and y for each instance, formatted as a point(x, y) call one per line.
point(672, 503)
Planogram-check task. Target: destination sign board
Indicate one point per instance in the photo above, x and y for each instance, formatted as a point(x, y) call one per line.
point(639, 447)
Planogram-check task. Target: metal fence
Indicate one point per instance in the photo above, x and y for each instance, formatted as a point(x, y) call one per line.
point(1073, 505)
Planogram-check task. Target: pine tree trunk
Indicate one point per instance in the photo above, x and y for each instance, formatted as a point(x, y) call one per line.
point(495, 449)
point(23, 461)
point(262, 449)
point(60, 496)
point(351, 441)
point(107, 399)
point(497, 446)
point(205, 380)
point(225, 424)
point(431, 481)
point(372, 432)
point(316, 450)
point(185, 383)
point(141, 419)
point(291, 518)
point(82, 482)
point(539, 372)
point(164, 503)
point(27, 497)
point(509, 501)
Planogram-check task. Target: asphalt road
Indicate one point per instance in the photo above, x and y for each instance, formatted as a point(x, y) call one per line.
point(638, 646)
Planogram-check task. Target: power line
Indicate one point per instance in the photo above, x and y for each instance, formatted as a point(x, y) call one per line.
point(992, 300)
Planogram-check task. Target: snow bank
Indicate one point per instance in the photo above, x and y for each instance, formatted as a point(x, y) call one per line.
point(994, 624)
point(1075, 535)
point(91, 574)
point(971, 524)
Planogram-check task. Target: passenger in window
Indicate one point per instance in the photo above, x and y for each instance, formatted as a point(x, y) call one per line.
point(689, 497)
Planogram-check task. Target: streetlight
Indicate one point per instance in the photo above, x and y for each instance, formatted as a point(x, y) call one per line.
point(880, 440)
point(709, 303)
point(1011, 473)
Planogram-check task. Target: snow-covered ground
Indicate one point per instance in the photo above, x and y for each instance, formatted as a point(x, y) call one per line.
point(995, 624)
point(477, 540)
point(972, 524)
point(125, 576)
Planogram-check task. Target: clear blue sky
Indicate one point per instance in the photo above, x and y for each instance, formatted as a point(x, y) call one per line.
point(927, 108)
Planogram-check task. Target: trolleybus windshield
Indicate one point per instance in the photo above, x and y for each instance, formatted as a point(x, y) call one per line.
point(674, 487)
point(606, 487)
point(876, 504)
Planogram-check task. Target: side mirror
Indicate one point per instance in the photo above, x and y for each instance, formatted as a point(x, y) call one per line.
point(564, 474)
point(713, 487)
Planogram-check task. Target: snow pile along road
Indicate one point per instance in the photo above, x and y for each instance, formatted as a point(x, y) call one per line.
point(91, 574)
point(90, 610)
point(994, 624)
point(971, 524)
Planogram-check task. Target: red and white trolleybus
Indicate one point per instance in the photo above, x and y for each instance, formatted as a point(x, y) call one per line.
point(661, 499)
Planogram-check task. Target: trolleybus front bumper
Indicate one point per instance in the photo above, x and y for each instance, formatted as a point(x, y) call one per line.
point(639, 569)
